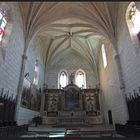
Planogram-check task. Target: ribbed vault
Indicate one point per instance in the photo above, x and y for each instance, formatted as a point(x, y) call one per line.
point(70, 27)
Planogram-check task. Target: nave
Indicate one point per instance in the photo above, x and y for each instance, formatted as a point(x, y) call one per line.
point(70, 66)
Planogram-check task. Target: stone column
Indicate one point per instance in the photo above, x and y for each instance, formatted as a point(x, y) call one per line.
point(117, 59)
point(122, 84)
point(20, 85)
point(42, 104)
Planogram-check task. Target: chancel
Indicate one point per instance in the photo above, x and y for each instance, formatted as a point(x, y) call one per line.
point(71, 105)
point(70, 66)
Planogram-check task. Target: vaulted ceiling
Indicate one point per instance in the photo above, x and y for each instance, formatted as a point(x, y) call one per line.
point(70, 27)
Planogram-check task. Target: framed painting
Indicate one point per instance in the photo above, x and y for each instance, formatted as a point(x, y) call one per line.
point(72, 98)
point(25, 98)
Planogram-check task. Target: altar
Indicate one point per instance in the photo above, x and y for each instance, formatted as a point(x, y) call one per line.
point(72, 105)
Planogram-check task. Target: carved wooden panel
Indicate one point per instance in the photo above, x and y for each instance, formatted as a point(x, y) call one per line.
point(92, 104)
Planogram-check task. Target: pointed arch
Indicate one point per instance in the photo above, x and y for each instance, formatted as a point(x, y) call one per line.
point(80, 78)
point(62, 78)
point(6, 24)
point(132, 19)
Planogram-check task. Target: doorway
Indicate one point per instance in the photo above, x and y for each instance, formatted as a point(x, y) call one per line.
point(110, 117)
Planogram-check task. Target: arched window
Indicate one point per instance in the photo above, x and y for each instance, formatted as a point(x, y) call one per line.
point(36, 73)
point(104, 55)
point(132, 19)
point(135, 17)
point(6, 23)
point(3, 22)
point(80, 78)
point(62, 79)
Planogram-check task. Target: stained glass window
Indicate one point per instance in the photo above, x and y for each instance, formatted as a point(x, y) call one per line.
point(135, 18)
point(3, 22)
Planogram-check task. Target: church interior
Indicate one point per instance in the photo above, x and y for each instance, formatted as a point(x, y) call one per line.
point(71, 68)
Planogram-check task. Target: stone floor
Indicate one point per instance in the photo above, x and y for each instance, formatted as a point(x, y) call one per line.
point(71, 131)
point(82, 127)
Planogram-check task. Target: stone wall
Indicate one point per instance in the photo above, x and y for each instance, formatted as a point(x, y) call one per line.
point(10, 55)
point(10, 63)
point(112, 98)
point(70, 63)
point(33, 53)
point(129, 56)
point(26, 115)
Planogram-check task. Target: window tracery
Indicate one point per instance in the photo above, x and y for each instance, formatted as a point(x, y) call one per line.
point(62, 79)
point(80, 79)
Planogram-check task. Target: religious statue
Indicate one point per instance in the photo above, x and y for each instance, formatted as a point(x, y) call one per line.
point(91, 104)
point(53, 104)
point(72, 77)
